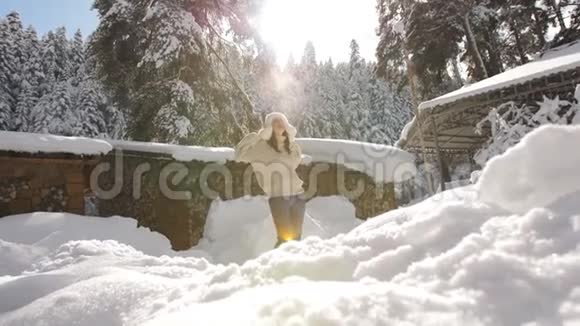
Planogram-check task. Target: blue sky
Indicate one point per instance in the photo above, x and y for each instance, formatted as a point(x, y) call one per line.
point(47, 15)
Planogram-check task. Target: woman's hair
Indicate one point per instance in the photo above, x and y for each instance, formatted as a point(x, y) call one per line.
point(274, 144)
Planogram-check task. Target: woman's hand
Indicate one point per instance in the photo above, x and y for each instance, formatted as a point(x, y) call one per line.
point(243, 150)
point(295, 154)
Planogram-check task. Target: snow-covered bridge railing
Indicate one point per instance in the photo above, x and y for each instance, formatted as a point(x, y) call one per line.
point(170, 188)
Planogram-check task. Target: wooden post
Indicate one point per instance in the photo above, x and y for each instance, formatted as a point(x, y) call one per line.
point(442, 173)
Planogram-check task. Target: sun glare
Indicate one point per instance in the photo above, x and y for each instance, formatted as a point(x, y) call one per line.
point(288, 24)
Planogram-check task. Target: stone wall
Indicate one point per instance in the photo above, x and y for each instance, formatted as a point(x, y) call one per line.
point(30, 183)
point(183, 220)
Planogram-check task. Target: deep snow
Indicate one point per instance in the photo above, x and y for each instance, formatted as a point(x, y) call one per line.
point(503, 252)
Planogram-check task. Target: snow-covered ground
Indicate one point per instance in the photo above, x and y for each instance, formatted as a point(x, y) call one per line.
point(503, 252)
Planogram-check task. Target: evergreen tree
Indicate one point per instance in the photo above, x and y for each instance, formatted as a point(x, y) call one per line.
point(487, 36)
point(12, 58)
point(172, 120)
point(147, 49)
point(310, 102)
point(77, 55)
point(57, 71)
point(357, 102)
point(54, 112)
point(89, 110)
point(32, 77)
point(6, 71)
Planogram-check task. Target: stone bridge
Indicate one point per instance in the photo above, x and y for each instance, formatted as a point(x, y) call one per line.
point(168, 195)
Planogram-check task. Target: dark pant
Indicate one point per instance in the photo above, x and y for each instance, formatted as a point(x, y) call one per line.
point(288, 215)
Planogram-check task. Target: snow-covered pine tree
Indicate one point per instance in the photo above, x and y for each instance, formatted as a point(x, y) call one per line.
point(50, 69)
point(390, 111)
point(12, 58)
point(89, 111)
point(145, 48)
point(32, 77)
point(172, 121)
point(332, 102)
point(55, 59)
point(27, 100)
point(54, 112)
point(6, 71)
point(18, 45)
point(357, 101)
point(77, 57)
point(307, 73)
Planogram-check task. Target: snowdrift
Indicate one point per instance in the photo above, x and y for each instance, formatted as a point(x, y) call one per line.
point(503, 252)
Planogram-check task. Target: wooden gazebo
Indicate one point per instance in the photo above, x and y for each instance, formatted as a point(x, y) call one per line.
point(448, 122)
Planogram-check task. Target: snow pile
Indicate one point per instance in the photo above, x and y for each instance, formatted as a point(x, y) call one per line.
point(454, 259)
point(43, 143)
point(383, 163)
point(235, 232)
point(26, 238)
point(563, 58)
point(242, 229)
point(541, 169)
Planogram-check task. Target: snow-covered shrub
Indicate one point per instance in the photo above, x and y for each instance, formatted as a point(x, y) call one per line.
point(511, 122)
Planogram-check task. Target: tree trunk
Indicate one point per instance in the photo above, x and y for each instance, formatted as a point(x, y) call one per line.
point(474, 48)
point(538, 29)
point(558, 13)
point(494, 49)
point(457, 72)
point(415, 100)
point(519, 47)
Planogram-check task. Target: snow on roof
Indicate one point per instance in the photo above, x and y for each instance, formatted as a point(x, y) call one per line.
point(43, 143)
point(557, 60)
point(382, 163)
point(178, 152)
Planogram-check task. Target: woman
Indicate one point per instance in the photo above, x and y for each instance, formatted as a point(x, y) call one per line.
point(274, 156)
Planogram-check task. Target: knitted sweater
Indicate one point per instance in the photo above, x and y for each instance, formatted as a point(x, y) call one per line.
point(275, 171)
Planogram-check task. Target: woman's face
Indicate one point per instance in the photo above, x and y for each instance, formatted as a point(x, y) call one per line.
point(278, 127)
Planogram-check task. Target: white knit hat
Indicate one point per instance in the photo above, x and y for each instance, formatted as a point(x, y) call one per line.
point(266, 131)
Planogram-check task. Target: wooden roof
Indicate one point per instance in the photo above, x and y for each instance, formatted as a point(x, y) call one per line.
point(454, 122)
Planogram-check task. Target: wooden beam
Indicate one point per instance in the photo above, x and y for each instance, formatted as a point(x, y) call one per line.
point(451, 141)
point(463, 136)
